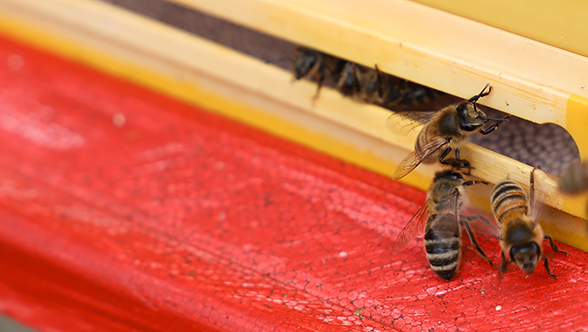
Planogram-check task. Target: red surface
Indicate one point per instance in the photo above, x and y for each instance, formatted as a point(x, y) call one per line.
point(185, 221)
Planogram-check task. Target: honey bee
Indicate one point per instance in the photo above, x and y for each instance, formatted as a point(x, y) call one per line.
point(445, 130)
point(403, 93)
point(372, 83)
point(440, 216)
point(315, 65)
point(574, 179)
point(521, 235)
point(360, 82)
point(348, 84)
point(375, 87)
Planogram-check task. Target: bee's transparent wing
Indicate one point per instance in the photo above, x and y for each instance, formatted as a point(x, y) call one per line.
point(537, 209)
point(402, 123)
point(411, 229)
point(415, 158)
point(480, 224)
point(447, 203)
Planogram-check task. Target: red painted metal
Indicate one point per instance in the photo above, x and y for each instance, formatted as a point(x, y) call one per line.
point(181, 220)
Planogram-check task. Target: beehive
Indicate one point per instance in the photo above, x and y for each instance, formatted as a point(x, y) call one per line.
point(532, 80)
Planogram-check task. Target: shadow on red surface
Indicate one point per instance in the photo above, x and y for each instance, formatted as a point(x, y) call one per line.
point(181, 220)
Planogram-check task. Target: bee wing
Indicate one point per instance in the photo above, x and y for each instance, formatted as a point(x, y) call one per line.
point(483, 225)
point(402, 123)
point(537, 209)
point(450, 202)
point(415, 158)
point(479, 223)
point(411, 229)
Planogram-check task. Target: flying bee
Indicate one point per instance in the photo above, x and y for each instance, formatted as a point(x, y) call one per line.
point(445, 130)
point(440, 216)
point(521, 235)
point(315, 65)
point(574, 179)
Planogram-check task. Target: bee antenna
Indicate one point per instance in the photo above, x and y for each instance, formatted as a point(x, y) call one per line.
point(501, 120)
point(475, 98)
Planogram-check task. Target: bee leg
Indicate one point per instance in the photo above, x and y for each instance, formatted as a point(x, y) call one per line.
point(547, 268)
point(442, 157)
point(466, 164)
point(463, 164)
point(504, 264)
point(472, 182)
point(494, 126)
point(465, 223)
point(553, 245)
point(457, 162)
point(320, 78)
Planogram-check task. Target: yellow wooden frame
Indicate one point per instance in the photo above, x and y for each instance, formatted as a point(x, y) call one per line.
point(244, 88)
point(561, 24)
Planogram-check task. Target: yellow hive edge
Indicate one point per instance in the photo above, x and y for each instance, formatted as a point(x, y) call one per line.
point(561, 24)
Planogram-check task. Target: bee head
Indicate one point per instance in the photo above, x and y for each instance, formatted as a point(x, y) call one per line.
point(470, 117)
point(304, 60)
point(448, 175)
point(526, 256)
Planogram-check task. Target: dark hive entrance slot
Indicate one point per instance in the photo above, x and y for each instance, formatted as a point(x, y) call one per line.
point(548, 145)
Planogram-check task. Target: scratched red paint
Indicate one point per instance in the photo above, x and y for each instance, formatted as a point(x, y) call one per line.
point(181, 220)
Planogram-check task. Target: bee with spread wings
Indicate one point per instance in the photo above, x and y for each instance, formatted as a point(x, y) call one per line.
point(444, 130)
point(441, 219)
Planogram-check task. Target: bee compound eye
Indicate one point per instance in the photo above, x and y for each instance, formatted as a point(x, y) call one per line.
point(462, 110)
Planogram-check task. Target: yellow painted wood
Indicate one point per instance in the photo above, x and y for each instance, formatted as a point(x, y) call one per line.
point(244, 88)
point(577, 122)
point(561, 23)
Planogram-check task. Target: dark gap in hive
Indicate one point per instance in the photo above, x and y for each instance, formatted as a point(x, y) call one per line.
point(548, 145)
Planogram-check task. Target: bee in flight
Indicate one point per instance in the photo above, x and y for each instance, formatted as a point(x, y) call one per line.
point(574, 179)
point(315, 65)
point(440, 216)
point(521, 235)
point(445, 130)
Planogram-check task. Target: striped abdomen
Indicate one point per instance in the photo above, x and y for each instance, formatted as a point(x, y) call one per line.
point(443, 244)
point(509, 201)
